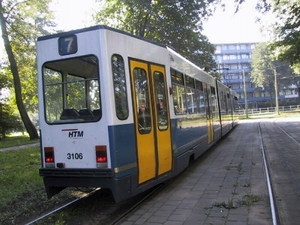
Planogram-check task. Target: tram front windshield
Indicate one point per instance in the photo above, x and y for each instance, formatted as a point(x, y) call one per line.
point(71, 90)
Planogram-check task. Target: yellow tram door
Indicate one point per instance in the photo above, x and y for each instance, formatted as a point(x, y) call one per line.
point(162, 121)
point(151, 120)
point(209, 114)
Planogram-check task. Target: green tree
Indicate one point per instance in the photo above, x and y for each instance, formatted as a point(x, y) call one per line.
point(9, 121)
point(286, 32)
point(286, 28)
point(216, 74)
point(171, 22)
point(21, 22)
point(264, 65)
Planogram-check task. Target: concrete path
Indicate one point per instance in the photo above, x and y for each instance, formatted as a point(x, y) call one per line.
point(18, 147)
point(227, 185)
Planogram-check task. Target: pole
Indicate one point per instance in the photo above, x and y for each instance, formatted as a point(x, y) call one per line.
point(276, 92)
point(245, 94)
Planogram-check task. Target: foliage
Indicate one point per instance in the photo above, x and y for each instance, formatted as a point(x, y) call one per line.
point(25, 21)
point(4, 80)
point(174, 23)
point(9, 122)
point(262, 70)
point(21, 22)
point(286, 29)
point(264, 65)
point(216, 74)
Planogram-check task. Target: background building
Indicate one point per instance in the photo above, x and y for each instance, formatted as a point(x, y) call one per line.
point(234, 65)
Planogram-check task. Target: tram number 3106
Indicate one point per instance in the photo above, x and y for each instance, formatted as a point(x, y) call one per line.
point(74, 156)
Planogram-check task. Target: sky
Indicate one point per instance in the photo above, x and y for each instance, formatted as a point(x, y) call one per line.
point(73, 14)
point(222, 27)
point(228, 27)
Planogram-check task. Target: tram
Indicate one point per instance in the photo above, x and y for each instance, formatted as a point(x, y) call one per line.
point(123, 113)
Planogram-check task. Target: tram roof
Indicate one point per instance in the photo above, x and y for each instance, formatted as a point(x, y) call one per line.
point(97, 27)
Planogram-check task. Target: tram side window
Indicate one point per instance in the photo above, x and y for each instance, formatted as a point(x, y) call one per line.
point(213, 100)
point(71, 90)
point(191, 95)
point(228, 103)
point(178, 92)
point(235, 104)
point(222, 102)
point(199, 98)
point(118, 72)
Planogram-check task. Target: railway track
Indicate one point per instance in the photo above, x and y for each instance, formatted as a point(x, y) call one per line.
point(280, 145)
point(119, 219)
point(40, 218)
point(108, 211)
point(295, 139)
point(270, 189)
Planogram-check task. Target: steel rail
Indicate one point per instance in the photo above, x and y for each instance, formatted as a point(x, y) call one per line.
point(123, 216)
point(62, 207)
point(287, 134)
point(269, 184)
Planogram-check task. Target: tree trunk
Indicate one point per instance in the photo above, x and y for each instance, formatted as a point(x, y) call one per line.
point(31, 130)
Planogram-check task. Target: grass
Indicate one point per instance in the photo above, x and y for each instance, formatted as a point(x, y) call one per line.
point(11, 141)
point(22, 194)
point(230, 204)
point(249, 199)
point(271, 115)
point(19, 177)
point(20, 170)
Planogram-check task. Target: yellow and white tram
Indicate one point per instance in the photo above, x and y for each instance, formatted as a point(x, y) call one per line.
point(123, 113)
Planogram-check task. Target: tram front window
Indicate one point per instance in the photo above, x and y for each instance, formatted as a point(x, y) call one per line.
point(71, 90)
